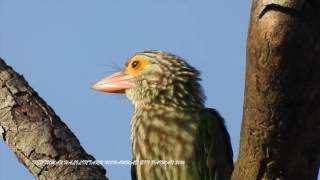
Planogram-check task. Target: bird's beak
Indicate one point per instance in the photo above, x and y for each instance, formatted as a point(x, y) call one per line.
point(114, 83)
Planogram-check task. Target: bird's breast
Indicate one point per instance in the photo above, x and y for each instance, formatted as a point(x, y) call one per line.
point(162, 134)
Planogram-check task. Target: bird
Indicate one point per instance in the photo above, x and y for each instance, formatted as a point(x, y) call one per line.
point(170, 122)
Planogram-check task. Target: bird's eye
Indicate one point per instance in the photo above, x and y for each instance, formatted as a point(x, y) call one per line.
point(134, 64)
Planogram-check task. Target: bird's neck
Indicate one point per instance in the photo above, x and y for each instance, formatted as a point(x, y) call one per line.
point(173, 97)
point(180, 94)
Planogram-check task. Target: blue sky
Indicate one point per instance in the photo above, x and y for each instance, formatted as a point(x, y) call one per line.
point(62, 47)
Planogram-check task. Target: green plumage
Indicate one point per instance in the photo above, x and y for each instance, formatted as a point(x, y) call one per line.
point(213, 147)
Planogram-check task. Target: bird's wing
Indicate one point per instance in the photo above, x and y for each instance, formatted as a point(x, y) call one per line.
point(213, 147)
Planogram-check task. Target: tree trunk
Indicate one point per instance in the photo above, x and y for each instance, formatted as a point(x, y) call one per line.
point(34, 132)
point(280, 135)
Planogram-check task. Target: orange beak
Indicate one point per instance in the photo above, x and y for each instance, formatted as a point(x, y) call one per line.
point(115, 83)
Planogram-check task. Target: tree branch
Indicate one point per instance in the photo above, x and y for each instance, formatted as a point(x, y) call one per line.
point(280, 135)
point(34, 132)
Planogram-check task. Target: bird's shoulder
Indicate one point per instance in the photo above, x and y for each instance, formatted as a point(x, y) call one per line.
point(212, 127)
point(213, 144)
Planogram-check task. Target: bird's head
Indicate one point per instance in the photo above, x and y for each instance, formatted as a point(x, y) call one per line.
point(156, 77)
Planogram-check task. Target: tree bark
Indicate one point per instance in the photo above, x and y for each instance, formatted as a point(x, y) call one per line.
point(280, 134)
point(34, 132)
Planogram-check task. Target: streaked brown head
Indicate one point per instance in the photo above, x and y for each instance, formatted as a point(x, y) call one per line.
point(156, 77)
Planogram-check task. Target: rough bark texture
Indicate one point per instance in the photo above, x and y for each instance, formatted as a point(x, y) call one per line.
point(280, 135)
point(34, 132)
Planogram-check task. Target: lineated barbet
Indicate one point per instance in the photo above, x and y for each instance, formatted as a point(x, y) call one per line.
point(170, 121)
